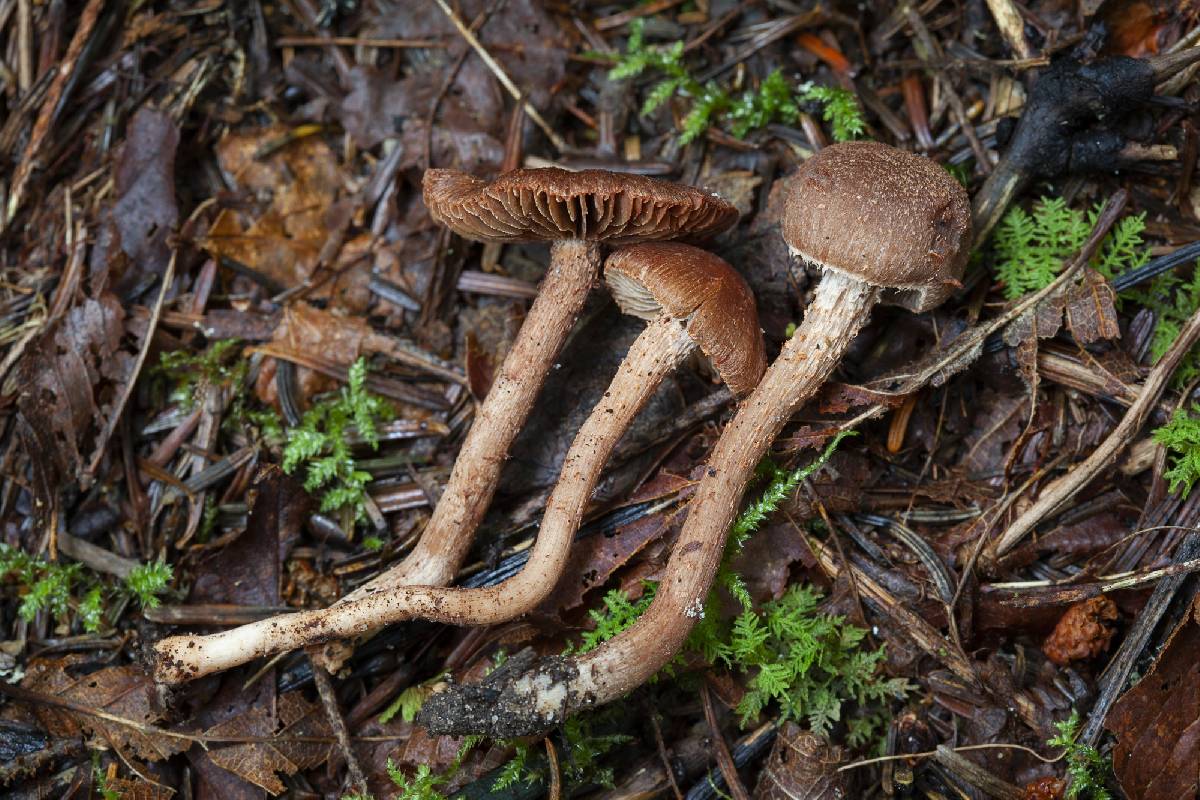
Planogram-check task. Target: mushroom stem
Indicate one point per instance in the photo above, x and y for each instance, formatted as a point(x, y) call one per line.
point(559, 687)
point(574, 266)
point(654, 355)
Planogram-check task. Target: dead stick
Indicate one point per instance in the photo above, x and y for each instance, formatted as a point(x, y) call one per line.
point(1066, 486)
point(50, 106)
point(502, 76)
point(334, 713)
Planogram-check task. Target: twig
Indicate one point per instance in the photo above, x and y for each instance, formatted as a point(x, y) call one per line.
point(1066, 486)
point(555, 792)
point(118, 407)
point(866, 762)
point(31, 697)
point(329, 700)
point(502, 76)
point(724, 759)
point(1011, 26)
point(51, 105)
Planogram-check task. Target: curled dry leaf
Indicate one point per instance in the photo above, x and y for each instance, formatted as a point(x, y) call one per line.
point(1157, 723)
point(1048, 788)
point(801, 767)
point(1083, 632)
point(1090, 311)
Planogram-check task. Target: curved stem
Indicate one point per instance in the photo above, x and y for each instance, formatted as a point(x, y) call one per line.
point(447, 537)
point(654, 355)
point(559, 687)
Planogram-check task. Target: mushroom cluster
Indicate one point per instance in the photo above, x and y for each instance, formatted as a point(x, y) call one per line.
point(883, 225)
point(692, 297)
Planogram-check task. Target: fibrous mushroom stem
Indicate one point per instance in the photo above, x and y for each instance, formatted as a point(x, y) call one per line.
point(560, 687)
point(653, 356)
point(574, 266)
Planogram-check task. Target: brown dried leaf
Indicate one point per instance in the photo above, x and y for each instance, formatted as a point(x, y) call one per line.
point(1042, 321)
point(801, 767)
point(304, 328)
point(1091, 315)
point(70, 376)
point(838, 398)
point(124, 691)
point(280, 236)
point(1157, 723)
point(146, 212)
point(246, 571)
point(128, 789)
point(1082, 632)
point(260, 762)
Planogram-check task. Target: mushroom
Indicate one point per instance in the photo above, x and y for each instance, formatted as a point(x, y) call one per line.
point(576, 211)
point(883, 225)
point(692, 299)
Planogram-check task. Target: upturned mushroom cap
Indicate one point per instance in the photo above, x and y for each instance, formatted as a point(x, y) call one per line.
point(529, 205)
point(694, 285)
point(884, 216)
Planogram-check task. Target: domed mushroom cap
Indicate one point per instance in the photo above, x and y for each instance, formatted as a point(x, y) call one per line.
point(693, 284)
point(885, 216)
point(529, 205)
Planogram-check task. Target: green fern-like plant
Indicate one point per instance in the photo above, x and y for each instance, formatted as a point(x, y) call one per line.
point(840, 109)
point(775, 100)
point(1030, 247)
point(320, 442)
point(617, 614)
point(809, 664)
point(51, 587)
point(216, 365)
point(421, 785)
point(147, 581)
point(1182, 437)
point(1087, 769)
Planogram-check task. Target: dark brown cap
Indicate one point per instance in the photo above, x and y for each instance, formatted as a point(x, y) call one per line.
point(884, 216)
point(693, 284)
point(529, 205)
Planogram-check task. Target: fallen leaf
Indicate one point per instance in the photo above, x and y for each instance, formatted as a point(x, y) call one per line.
point(1157, 722)
point(124, 691)
point(1090, 310)
point(280, 231)
point(260, 762)
point(146, 211)
point(801, 767)
point(246, 571)
point(70, 375)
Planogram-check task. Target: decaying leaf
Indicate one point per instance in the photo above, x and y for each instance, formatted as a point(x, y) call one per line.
point(123, 691)
point(68, 379)
point(801, 767)
point(281, 235)
point(1157, 723)
point(1083, 632)
point(260, 762)
point(1090, 311)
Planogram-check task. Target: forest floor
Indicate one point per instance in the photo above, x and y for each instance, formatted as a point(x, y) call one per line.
point(215, 257)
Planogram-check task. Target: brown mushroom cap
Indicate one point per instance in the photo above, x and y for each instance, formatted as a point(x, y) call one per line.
point(884, 216)
point(529, 205)
point(693, 284)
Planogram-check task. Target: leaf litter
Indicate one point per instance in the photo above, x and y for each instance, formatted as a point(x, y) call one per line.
point(272, 167)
